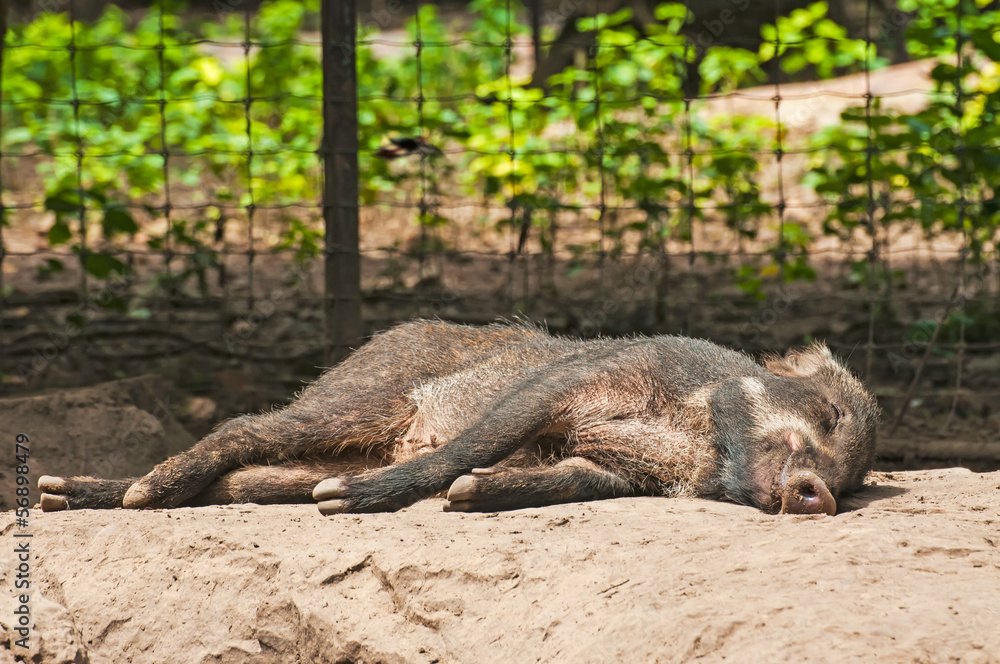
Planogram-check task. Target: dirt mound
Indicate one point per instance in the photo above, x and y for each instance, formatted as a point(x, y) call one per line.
point(910, 573)
point(118, 429)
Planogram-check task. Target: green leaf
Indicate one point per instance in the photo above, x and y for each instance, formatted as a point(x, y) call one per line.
point(670, 10)
point(103, 265)
point(64, 201)
point(59, 233)
point(985, 41)
point(51, 266)
point(118, 220)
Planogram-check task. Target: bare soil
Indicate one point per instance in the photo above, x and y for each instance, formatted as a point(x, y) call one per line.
point(909, 573)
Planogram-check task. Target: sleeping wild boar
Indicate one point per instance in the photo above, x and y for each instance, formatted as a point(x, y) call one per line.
point(508, 416)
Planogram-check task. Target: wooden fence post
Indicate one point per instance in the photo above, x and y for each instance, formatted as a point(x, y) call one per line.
point(342, 286)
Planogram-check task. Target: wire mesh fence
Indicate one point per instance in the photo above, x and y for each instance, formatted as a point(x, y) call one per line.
point(149, 156)
point(759, 173)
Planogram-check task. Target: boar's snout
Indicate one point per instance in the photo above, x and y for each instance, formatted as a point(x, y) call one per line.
point(806, 493)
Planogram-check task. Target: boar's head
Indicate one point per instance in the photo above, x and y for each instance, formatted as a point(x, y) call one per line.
point(796, 437)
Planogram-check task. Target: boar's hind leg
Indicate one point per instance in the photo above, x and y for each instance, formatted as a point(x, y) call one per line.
point(245, 440)
point(345, 411)
point(290, 483)
point(572, 480)
point(80, 493)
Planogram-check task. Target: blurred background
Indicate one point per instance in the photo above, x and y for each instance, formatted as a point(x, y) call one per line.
point(232, 195)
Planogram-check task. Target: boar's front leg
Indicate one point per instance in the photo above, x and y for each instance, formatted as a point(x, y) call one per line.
point(518, 419)
point(569, 481)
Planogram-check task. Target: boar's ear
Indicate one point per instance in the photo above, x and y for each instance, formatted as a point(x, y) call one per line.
point(802, 363)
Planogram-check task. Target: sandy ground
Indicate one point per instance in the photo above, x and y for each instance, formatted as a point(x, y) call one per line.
point(909, 573)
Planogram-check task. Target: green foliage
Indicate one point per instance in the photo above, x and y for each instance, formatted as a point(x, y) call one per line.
point(935, 168)
point(130, 142)
point(807, 38)
point(160, 105)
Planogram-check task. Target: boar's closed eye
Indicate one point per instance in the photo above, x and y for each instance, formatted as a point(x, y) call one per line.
point(837, 415)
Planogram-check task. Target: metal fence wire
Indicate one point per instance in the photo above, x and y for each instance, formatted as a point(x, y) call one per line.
point(235, 197)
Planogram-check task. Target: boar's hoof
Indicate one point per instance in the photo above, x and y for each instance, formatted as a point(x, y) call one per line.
point(333, 487)
point(52, 487)
point(137, 498)
point(340, 495)
point(53, 503)
point(49, 483)
point(334, 506)
point(462, 489)
point(379, 490)
point(806, 493)
point(330, 492)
